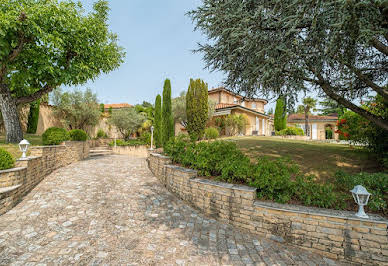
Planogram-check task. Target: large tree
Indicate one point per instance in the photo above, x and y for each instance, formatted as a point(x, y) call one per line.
point(167, 118)
point(338, 48)
point(48, 43)
point(330, 107)
point(197, 108)
point(76, 109)
point(127, 121)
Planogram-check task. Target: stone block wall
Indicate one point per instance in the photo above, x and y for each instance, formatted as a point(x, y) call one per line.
point(15, 183)
point(135, 151)
point(335, 234)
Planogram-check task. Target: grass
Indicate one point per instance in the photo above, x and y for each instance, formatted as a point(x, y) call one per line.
point(320, 159)
point(35, 140)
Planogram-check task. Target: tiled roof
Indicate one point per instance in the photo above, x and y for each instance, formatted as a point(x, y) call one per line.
point(298, 117)
point(117, 105)
point(224, 105)
point(235, 94)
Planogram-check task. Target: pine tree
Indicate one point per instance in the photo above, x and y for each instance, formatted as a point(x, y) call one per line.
point(158, 121)
point(33, 117)
point(167, 118)
point(197, 108)
point(280, 119)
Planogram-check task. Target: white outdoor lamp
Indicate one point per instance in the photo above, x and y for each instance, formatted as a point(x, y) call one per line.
point(361, 197)
point(152, 137)
point(23, 146)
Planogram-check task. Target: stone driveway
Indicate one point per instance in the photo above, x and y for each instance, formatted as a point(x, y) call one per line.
point(111, 210)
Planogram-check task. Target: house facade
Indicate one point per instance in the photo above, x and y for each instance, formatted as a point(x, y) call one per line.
point(229, 103)
point(317, 124)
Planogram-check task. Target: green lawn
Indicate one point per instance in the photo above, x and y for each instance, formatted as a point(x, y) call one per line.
point(14, 148)
point(320, 159)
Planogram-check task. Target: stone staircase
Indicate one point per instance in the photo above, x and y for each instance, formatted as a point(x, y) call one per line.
point(100, 151)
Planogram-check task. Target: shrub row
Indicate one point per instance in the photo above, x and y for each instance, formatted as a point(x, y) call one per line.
point(290, 131)
point(278, 179)
point(55, 135)
point(131, 142)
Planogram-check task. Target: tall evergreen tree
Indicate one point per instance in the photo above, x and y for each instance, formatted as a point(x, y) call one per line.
point(329, 106)
point(33, 117)
point(167, 118)
point(197, 108)
point(280, 119)
point(158, 121)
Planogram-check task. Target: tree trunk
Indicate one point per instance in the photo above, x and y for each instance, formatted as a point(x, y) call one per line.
point(306, 124)
point(8, 107)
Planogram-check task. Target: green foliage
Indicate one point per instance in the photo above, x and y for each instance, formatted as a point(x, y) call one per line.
point(6, 160)
point(357, 129)
point(197, 108)
point(168, 126)
point(78, 135)
point(280, 118)
point(376, 184)
point(329, 107)
point(278, 179)
point(55, 136)
point(283, 47)
point(328, 133)
point(235, 124)
point(77, 109)
point(179, 109)
point(110, 110)
point(130, 142)
point(102, 107)
point(33, 117)
point(145, 137)
point(220, 122)
point(48, 44)
point(127, 121)
point(211, 133)
point(158, 121)
point(101, 134)
point(290, 131)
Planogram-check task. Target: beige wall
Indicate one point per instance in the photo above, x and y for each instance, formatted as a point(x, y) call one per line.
point(320, 128)
point(225, 97)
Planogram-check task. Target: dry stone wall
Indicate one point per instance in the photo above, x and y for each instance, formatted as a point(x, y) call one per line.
point(334, 234)
point(15, 183)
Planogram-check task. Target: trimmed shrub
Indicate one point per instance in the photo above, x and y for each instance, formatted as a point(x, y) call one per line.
point(290, 131)
point(158, 122)
point(131, 142)
point(101, 134)
point(280, 117)
point(6, 160)
point(197, 108)
point(78, 135)
point(211, 133)
point(168, 126)
point(55, 136)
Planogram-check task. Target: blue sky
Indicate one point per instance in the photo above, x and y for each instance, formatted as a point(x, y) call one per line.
point(158, 39)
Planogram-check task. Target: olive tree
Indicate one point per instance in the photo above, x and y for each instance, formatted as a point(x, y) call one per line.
point(45, 44)
point(284, 47)
point(127, 121)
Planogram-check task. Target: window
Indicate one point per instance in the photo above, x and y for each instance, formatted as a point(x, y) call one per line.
point(243, 104)
point(235, 100)
point(254, 105)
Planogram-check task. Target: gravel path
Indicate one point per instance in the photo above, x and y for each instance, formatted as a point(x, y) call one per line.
point(111, 210)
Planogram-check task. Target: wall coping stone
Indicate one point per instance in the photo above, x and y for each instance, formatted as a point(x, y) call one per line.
point(47, 146)
point(7, 189)
point(15, 169)
point(159, 155)
point(347, 215)
point(29, 158)
point(224, 185)
point(182, 169)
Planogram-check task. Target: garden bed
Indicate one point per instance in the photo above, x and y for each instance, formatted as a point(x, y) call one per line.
point(278, 180)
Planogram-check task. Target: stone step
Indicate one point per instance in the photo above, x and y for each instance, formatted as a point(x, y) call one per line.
point(93, 151)
point(99, 154)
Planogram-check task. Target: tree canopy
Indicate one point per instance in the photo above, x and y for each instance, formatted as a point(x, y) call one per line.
point(45, 44)
point(284, 47)
point(127, 121)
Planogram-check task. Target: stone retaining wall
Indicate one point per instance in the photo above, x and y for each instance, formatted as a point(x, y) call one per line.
point(15, 183)
point(135, 151)
point(334, 234)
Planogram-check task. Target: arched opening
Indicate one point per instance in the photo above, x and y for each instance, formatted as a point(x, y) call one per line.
point(329, 131)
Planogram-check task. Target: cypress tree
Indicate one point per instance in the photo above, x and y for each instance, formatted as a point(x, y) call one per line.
point(167, 118)
point(197, 108)
point(280, 119)
point(33, 117)
point(158, 121)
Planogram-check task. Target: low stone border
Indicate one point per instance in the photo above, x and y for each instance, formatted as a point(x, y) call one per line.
point(15, 183)
point(334, 234)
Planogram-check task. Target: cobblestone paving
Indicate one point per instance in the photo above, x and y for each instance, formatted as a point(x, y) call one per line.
point(111, 210)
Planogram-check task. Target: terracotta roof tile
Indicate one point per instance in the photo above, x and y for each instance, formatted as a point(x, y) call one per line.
point(293, 117)
point(224, 105)
point(117, 105)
